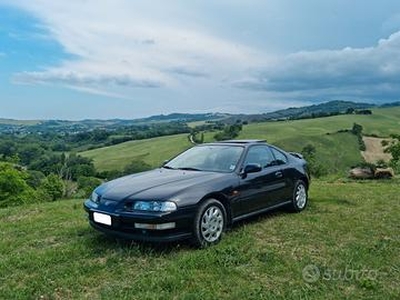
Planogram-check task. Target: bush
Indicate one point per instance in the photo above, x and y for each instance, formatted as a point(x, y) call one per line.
point(229, 132)
point(109, 175)
point(357, 130)
point(395, 166)
point(366, 165)
point(393, 147)
point(315, 166)
point(136, 167)
point(14, 189)
point(87, 184)
point(382, 164)
point(35, 178)
point(53, 186)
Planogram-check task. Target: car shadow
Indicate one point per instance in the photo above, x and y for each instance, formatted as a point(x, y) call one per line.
point(262, 217)
point(100, 244)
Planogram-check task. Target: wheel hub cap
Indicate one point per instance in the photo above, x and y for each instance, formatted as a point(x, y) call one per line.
point(301, 196)
point(212, 224)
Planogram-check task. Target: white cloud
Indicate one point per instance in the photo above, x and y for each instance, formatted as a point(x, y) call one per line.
point(120, 43)
point(189, 54)
point(358, 73)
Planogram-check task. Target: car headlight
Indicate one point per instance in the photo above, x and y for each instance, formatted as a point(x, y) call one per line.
point(95, 197)
point(162, 206)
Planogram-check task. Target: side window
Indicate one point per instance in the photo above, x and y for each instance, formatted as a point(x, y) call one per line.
point(259, 155)
point(280, 158)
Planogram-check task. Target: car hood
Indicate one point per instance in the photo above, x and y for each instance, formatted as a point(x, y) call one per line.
point(158, 184)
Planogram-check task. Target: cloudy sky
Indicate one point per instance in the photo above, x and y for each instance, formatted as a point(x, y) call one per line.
point(80, 59)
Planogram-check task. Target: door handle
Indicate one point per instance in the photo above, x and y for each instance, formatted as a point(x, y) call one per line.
point(278, 174)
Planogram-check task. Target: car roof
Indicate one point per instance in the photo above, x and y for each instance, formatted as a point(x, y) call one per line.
point(239, 142)
point(242, 141)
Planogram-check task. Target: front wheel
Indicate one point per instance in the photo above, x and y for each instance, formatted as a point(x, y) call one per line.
point(209, 223)
point(300, 197)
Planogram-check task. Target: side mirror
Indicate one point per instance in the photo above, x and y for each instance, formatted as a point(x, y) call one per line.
point(251, 168)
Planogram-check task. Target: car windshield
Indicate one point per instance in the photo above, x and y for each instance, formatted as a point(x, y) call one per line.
point(216, 158)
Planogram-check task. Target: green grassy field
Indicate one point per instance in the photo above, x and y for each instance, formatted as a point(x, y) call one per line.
point(343, 246)
point(382, 122)
point(152, 151)
point(338, 151)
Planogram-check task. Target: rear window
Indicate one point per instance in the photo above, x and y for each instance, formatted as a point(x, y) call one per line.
point(280, 157)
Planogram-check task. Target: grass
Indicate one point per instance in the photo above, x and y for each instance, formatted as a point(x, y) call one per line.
point(152, 151)
point(349, 232)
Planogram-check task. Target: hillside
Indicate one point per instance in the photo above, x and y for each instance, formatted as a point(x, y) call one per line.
point(317, 110)
point(152, 151)
point(338, 151)
point(65, 126)
point(349, 231)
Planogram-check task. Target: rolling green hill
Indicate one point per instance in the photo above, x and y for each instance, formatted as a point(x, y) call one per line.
point(152, 151)
point(338, 151)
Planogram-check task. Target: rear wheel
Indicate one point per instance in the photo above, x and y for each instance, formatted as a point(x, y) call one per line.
point(209, 223)
point(300, 197)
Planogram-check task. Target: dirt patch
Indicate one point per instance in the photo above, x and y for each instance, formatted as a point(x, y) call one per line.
point(374, 150)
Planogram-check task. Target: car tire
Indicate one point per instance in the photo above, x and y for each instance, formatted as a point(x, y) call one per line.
point(300, 197)
point(209, 223)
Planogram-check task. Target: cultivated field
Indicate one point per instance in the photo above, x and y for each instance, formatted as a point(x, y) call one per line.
point(344, 246)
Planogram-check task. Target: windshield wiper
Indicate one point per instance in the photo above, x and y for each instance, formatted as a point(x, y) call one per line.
point(189, 169)
point(168, 167)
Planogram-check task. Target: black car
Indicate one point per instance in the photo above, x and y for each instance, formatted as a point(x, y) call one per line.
point(200, 192)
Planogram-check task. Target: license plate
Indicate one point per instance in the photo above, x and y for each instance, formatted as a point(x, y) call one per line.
point(102, 218)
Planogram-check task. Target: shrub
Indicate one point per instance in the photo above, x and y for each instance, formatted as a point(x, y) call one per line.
point(357, 130)
point(14, 189)
point(136, 167)
point(53, 186)
point(393, 147)
point(109, 175)
point(382, 164)
point(229, 132)
point(35, 178)
point(315, 166)
point(87, 184)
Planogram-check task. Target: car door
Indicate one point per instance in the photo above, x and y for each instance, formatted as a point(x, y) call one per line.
point(282, 164)
point(260, 189)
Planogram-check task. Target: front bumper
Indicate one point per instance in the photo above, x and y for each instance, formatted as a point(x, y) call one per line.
point(123, 224)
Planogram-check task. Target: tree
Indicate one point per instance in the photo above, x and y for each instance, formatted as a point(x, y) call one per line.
point(53, 186)
point(357, 129)
point(229, 132)
point(13, 187)
point(8, 148)
point(35, 178)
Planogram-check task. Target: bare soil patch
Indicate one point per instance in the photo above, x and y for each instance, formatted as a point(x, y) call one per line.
point(374, 150)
